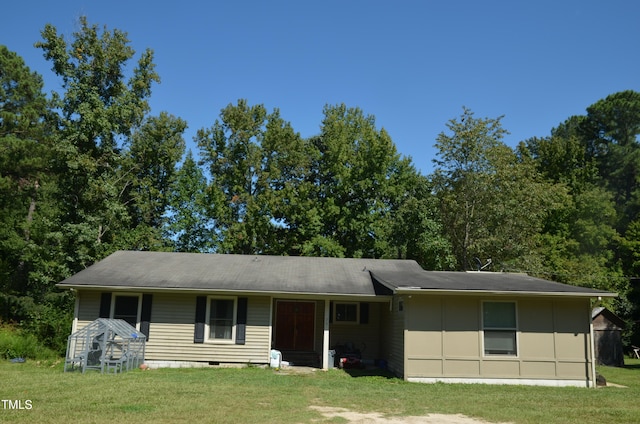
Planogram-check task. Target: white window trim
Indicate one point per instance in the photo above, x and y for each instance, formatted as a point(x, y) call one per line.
point(335, 313)
point(138, 313)
point(207, 327)
point(515, 330)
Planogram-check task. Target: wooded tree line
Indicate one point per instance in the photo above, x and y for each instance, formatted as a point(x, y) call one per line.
point(88, 170)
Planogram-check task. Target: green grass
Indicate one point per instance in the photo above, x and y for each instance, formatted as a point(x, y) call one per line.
point(255, 395)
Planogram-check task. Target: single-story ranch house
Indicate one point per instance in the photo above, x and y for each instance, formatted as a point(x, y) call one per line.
point(425, 326)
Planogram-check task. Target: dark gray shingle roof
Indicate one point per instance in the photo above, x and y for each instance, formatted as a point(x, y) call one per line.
point(197, 271)
point(295, 274)
point(496, 282)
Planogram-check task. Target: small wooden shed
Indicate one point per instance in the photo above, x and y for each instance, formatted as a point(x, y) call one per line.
point(607, 337)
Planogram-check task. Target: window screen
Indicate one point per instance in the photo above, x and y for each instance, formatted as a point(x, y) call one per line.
point(221, 319)
point(499, 320)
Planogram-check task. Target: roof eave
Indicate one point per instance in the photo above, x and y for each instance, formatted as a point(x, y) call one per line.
point(418, 290)
point(139, 289)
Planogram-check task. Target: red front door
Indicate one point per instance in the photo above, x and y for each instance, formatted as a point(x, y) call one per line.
point(295, 324)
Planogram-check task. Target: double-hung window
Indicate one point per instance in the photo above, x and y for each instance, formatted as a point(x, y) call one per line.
point(500, 328)
point(221, 318)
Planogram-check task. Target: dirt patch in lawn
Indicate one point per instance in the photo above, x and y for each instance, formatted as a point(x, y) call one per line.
point(376, 418)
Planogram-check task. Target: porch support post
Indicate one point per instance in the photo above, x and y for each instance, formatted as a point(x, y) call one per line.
point(325, 336)
point(76, 309)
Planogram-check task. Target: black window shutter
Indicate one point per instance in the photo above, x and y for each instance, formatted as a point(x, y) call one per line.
point(105, 305)
point(201, 313)
point(241, 321)
point(145, 314)
point(364, 313)
point(330, 312)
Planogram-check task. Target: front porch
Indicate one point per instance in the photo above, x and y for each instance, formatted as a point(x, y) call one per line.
point(305, 330)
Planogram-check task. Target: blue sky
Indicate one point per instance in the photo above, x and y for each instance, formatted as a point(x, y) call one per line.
point(411, 64)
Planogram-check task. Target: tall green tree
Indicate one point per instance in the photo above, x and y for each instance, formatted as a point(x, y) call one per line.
point(96, 111)
point(29, 213)
point(462, 180)
point(588, 241)
point(364, 198)
point(562, 158)
point(362, 185)
point(417, 232)
point(611, 130)
point(147, 173)
point(259, 187)
point(288, 160)
point(596, 157)
point(340, 193)
point(232, 150)
point(25, 180)
point(493, 203)
point(188, 225)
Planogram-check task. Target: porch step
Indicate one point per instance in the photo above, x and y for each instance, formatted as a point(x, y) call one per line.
point(304, 359)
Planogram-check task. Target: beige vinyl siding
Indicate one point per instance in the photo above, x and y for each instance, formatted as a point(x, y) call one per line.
point(88, 307)
point(364, 337)
point(445, 339)
point(171, 330)
point(392, 329)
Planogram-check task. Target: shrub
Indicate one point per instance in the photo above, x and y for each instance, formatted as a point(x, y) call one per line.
point(50, 321)
point(19, 344)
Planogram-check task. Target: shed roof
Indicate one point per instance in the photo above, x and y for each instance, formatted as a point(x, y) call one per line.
point(297, 274)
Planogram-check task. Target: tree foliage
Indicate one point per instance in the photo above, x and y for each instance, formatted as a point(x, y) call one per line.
point(611, 130)
point(239, 189)
point(96, 112)
point(188, 224)
point(26, 184)
point(75, 167)
point(591, 240)
point(148, 171)
point(334, 194)
point(492, 202)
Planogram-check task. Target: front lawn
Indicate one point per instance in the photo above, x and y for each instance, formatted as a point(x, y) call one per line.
point(256, 395)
